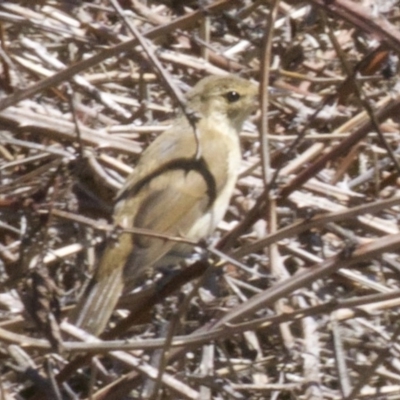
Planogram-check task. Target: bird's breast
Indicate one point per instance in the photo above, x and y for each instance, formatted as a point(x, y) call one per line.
point(223, 163)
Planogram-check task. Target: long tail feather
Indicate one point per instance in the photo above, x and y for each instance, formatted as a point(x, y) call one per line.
point(95, 307)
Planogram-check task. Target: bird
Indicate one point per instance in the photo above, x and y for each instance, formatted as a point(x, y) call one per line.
point(181, 186)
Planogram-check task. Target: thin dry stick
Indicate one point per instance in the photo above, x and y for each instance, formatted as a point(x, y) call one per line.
point(264, 93)
point(340, 358)
point(110, 228)
point(311, 355)
point(71, 100)
point(276, 267)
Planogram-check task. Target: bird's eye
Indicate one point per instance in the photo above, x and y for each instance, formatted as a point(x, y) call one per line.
point(232, 96)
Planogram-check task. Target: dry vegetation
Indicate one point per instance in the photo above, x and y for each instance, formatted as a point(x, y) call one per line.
point(300, 298)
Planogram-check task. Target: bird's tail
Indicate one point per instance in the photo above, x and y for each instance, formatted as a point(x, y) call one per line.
point(99, 299)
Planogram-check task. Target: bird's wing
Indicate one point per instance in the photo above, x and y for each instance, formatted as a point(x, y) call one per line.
point(175, 201)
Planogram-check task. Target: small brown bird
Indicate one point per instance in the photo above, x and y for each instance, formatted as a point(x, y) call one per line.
point(181, 186)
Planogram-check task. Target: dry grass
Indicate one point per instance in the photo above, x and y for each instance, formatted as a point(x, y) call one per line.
point(301, 297)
